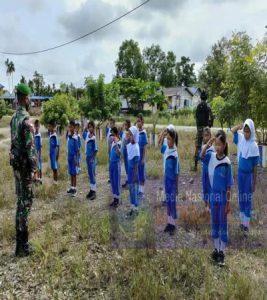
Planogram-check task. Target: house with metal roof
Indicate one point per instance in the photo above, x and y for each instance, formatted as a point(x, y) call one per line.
point(182, 97)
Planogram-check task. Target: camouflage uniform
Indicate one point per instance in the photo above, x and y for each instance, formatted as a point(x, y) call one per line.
point(24, 163)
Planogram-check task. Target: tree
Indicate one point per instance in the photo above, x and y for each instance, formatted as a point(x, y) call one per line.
point(3, 109)
point(101, 100)
point(62, 108)
point(213, 74)
point(185, 72)
point(167, 70)
point(10, 69)
point(38, 83)
point(23, 79)
point(153, 58)
point(130, 63)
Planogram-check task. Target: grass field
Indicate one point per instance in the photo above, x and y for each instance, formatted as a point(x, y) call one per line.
point(85, 251)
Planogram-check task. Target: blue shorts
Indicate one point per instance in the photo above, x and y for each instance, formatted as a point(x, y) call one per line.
point(53, 160)
point(72, 170)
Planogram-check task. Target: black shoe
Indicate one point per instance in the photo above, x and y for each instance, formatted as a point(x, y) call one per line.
point(116, 203)
point(172, 230)
point(109, 181)
point(112, 204)
point(93, 196)
point(167, 228)
point(220, 259)
point(125, 184)
point(69, 191)
point(241, 227)
point(88, 196)
point(246, 231)
point(130, 213)
point(215, 255)
point(74, 193)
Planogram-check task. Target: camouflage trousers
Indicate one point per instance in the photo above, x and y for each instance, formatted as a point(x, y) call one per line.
point(24, 193)
point(199, 137)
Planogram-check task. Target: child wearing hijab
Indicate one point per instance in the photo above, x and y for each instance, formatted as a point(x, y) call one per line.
point(248, 160)
point(133, 154)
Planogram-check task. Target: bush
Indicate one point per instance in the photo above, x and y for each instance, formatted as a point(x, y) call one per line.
point(60, 108)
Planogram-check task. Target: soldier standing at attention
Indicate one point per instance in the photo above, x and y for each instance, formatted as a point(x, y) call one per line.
point(24, 163)
point(204, 118)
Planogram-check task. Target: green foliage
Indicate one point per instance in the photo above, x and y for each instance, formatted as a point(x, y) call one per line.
point(258, 104)
point(60, 108)
point(3, 109)
point(235, 76)
point(185, 72)
point(101, 100)
point(130, 63)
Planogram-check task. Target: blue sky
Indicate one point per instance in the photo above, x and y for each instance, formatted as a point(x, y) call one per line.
point(187, 27)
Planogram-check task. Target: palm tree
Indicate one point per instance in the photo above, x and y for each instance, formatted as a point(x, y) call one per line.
point(8, 73)
point(10, 69)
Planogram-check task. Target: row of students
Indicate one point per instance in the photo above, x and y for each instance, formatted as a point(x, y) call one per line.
point(124, 136)
point(216, 170)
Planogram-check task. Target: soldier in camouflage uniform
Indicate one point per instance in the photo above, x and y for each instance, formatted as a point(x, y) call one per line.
point(204, 118)
point(24, 163)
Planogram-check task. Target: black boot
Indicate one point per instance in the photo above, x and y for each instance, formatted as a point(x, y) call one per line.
point(26, 246)
point(19, 244)
point(92, 196)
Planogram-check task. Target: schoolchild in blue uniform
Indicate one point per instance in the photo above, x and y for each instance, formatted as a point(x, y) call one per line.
point(73, 156)
point(54, 144)
point(109, 136)
point(115, 167)
point(142, 145)
point(38, 147)
point(248, 160)
point(133, 155)
point(77, 132)
point(221, 180)
point(125, 141)
point(206, 189)
point(171, 176)
point(91, 152)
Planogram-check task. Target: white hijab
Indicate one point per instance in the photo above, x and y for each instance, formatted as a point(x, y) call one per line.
point(133, 149)
point(248, 148)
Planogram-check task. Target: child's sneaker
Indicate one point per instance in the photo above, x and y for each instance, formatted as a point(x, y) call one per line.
point(88, 196)
point(69, 191)
point(246, 231)
point(74, 193)
point(214, 255)
point(220, 259)
point(167, 228)
point(116, 203)
point(130, 213)
point(93, 195)
point(125, 184)
point(172, 229)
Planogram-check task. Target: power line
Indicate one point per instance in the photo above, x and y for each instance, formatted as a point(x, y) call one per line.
point(78, 38)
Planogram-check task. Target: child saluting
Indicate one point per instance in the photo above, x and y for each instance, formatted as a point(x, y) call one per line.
point(221, 180)
point(248, 160)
